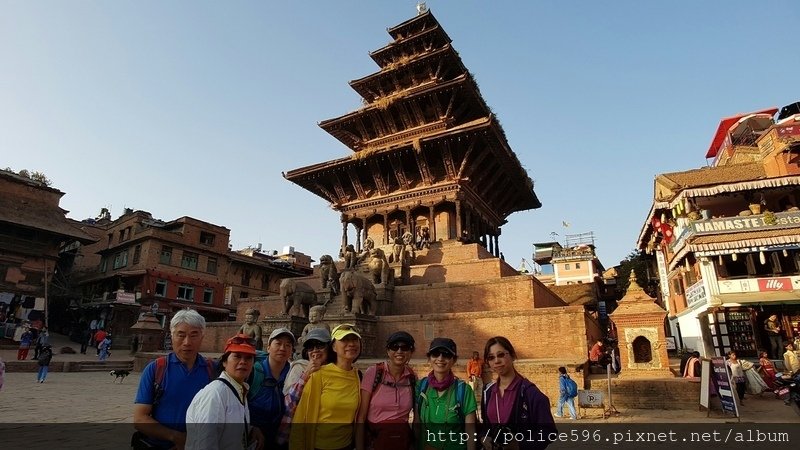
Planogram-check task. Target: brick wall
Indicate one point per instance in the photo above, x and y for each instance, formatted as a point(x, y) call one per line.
point(674, 393)
point(503, 294)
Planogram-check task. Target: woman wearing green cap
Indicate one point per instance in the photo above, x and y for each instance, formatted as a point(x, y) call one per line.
point(445, 404)
point(325, 417)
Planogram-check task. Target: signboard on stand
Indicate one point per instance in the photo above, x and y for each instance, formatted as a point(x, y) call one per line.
point(724, 388)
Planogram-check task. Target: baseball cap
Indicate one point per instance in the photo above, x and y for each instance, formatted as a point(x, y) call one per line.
point(241, 343)
point(441, 343)
point(278, 332)
point(343, 330)
point(318, 334)
point(400, 336)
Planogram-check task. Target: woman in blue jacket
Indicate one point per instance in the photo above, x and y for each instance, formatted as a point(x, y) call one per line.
point(513, 404)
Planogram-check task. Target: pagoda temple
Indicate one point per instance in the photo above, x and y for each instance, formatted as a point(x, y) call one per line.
point(429, 156)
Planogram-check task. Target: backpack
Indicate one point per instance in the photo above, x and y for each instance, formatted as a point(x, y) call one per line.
point(161, 370)
point(571, 387)
point(258, 373)
point(461, 391)
point(380, 370)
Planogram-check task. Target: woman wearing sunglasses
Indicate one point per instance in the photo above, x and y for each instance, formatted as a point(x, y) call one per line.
point(218, 416)
point(314, 355)
point(445, 403)
point(387, 396)
point(326, 414)
point(513, 403)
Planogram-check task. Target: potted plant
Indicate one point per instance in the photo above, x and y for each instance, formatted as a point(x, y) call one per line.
point(769, 218)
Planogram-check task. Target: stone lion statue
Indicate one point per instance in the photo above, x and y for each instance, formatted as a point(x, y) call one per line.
point(328, 274)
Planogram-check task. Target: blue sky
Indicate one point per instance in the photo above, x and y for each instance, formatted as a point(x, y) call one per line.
point(196, 107)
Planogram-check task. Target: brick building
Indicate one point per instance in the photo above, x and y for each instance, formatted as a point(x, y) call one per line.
point(139, 260)
point(33, 230)
point(726, 237)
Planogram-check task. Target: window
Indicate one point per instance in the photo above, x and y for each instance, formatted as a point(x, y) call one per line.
point(166, 255)
point(121, 235)
point(243, 294)
point(185, 292)
point(265, 281)
point(103, 264)
point(208, 295)
point(161, 288)
point(246, 277)
point(110, 238)
point(566, 266)
point(206, 238)
point(121, 259)
point(211, 267)
point(577, 265)
point(137, 253)
point(189, 260)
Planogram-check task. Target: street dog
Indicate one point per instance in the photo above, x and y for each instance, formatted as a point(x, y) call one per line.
point(119, 375)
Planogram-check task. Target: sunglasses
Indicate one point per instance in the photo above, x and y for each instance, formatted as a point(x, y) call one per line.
point(398, 347)
point(438, 353)
point(499, 355)
point(316, 346)
point(236, 340)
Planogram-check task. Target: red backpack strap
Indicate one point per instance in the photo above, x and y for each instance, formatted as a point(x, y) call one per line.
point(161, 368)
point(379, 368)
point(210, 369)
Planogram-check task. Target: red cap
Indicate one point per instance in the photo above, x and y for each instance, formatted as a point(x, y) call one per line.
point(241, 343)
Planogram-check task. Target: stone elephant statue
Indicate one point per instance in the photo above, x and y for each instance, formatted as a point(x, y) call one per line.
point(378, 266)
point(297, 297)
point(328, 274)
point(359, 293)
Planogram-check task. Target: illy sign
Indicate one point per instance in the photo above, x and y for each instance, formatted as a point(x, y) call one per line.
point(774, 284)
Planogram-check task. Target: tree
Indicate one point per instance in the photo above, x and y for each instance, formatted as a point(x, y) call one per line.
point(638, 263)
point(41, 178)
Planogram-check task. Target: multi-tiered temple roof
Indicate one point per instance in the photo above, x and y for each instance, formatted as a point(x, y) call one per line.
point(427, 150)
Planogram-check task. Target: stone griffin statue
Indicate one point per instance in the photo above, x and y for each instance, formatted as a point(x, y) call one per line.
point(409, 249)
point(328, 274)
point(297, 297)
point(251, 328)
point(359, 293)
point(378, 266)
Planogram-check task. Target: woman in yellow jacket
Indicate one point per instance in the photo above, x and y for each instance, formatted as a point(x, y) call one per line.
point(325, 417)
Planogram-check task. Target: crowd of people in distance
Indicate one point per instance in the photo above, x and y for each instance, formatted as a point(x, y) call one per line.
point(249, 399)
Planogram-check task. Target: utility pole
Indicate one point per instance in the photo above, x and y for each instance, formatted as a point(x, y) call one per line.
point(46, 299)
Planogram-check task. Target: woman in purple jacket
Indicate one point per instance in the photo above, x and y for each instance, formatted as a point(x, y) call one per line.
point(513, 404)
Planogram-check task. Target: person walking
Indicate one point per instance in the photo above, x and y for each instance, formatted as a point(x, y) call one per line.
point(568, 390)
point(41, 340)
point(767, 369)
point(24, 345)
point(475, 378)
point(45, 356)
point(737, 375)
point(105, 347)
point(387, 397)
point(99, 337)
point(159, 414)
point(326, 413)
point(86, 336)
point(513, 402)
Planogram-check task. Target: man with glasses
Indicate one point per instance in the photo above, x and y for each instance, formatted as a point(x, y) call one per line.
point(266, 398)
point(161, 402)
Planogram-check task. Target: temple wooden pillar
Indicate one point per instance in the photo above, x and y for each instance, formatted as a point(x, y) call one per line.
point(358, 236)
point(459, 232)
point(385, 229)
point(496, 246)
point(432, 225)
point(344, 235)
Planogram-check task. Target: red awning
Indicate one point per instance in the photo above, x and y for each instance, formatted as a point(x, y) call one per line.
point(726, 124)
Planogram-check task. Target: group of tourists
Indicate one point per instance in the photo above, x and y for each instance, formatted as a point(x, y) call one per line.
point(252, 400)
point(754, 380)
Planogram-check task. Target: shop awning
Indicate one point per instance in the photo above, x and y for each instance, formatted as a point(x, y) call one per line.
point(755, 298)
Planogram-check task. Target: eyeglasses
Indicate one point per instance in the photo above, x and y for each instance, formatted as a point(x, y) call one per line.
point(438, 353)
point(238, 340)
point(499, 355)
point(398, 347)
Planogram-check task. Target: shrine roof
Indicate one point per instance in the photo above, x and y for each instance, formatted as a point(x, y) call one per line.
point(424, 20)
point(40, 216)
point(436, 35)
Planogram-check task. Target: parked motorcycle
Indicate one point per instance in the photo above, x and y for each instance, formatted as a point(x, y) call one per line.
point(787, 388)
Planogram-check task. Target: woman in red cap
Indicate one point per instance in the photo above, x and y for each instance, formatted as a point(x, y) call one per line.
point(218, 416)
point(325, 416)
point(387, 396)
